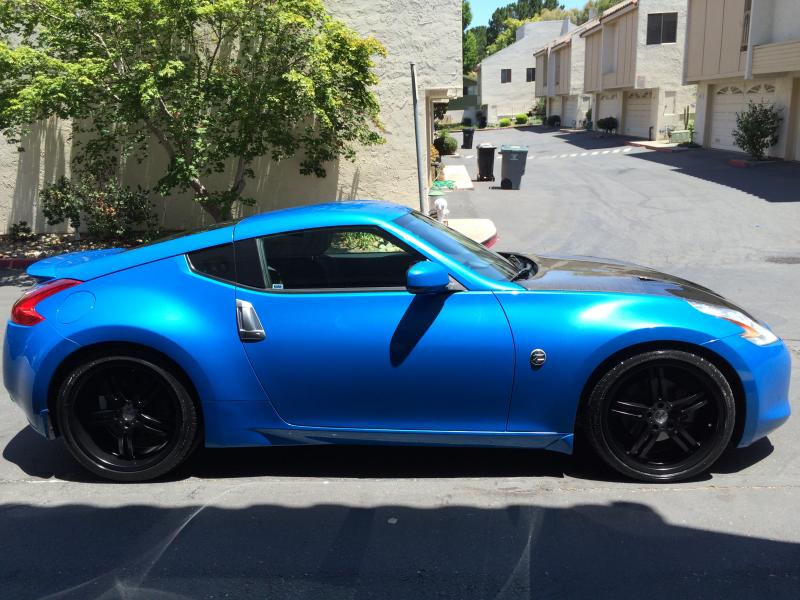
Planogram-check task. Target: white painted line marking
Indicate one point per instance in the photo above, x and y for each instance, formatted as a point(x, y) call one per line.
point(627, 149)
point(606, 151)
point(615, 151)
point(531, 158)
point(571, 155)
point(595, 153)
point(563, 156)
point(584, 154)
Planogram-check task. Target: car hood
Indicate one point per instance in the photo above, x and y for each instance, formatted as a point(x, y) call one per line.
point(591, 274)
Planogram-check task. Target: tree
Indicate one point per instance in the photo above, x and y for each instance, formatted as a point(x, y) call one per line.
point(497, 23)
point(217, 83)
point(470, 52)
point(479, 33)
point(506, 37)
point(466, 15)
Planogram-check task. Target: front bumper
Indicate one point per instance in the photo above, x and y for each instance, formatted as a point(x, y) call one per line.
point(765, 372)
point(31, 356)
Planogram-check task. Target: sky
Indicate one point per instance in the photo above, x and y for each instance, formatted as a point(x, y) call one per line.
point(482, 9)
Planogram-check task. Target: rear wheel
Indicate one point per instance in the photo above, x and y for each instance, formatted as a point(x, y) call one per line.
point(665, 415)
point(127, 418)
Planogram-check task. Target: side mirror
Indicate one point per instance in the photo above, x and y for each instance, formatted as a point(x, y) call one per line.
point(427, 277)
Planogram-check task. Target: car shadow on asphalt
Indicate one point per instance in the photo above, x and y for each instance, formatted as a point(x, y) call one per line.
point(45, 459)
point(381, 548)
point(774, 182)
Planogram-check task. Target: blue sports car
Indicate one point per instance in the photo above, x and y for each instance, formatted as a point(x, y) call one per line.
point(369, 323)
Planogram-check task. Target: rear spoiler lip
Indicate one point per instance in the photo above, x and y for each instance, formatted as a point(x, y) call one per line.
point(48, 268)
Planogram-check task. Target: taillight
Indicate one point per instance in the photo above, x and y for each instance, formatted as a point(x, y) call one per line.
point(24, 310)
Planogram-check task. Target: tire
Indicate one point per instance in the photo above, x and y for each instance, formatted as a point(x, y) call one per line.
point(661, 416)
point(127, 418)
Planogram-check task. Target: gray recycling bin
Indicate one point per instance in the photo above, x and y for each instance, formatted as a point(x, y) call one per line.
point(514, 160)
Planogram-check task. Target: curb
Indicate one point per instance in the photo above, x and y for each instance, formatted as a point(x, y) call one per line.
point(17, 263)
point(657, 148)
point(744, 163)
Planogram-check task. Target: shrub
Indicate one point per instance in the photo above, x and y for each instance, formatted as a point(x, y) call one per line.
point(757, 129)
point(539, 109)
point(504, 122)
point(20, 231)
point(607, 124)
point(445, 144)
point(434, 155)
point(589, 114)
point(554, 121)
point(481, 118)
point(466, 122)
point(109, 210)
point(522, 119)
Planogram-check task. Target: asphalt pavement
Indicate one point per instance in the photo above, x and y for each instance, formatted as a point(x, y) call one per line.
point(366, 522)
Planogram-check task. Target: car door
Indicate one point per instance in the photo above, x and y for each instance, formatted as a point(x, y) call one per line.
point(345, 345)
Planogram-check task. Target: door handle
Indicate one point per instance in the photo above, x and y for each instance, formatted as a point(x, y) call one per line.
point(250, 328)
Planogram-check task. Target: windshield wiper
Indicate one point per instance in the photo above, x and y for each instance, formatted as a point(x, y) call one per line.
point(525, 269)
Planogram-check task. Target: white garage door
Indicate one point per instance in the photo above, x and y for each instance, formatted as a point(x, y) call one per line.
point(726, 101)
point(637, 118)
point(570, 111)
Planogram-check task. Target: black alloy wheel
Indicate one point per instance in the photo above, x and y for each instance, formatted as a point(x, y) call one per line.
point(661, 416)
point(127, 418)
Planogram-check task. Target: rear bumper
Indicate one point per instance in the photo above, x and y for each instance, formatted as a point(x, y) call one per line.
point(31, 356)
point(765, 373)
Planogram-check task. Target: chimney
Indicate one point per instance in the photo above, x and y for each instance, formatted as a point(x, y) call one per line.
point(565, 26)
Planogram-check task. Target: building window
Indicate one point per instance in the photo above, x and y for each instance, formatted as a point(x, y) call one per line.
point(505, 75)
point(530, 74)
point(746, 25)
point(662, 28)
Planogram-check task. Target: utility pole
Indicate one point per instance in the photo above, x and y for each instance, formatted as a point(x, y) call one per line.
point(421, 172)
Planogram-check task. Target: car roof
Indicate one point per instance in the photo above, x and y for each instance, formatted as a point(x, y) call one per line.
point(351, 212)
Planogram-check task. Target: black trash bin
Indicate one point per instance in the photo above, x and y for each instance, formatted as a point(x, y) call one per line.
point(469, 133)
point(486, 162)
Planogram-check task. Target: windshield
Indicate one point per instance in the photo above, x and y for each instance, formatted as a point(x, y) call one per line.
point(460, 248)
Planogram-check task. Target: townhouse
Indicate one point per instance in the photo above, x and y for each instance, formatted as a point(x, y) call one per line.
point(507, 78)
point(561, 64)
point(739, 51)
point(634, 56)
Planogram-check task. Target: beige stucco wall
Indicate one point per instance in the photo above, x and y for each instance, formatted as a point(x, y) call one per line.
point(425, 31)
point(619, 50)
point(507, 99)
point(592, 80)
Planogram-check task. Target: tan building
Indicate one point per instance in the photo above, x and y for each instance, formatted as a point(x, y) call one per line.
point(561, 64)
point(633, 66)
point(425, 32)
point(739, 51)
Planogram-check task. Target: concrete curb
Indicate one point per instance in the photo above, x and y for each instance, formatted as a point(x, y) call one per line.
point(746, 163)
point(656, 147)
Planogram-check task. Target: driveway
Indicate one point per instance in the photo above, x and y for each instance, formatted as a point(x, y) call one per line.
point(358, 523)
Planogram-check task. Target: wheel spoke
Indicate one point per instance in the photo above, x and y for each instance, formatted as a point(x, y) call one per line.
point(676, 438)
point(691, 403)
point(630, 409)
point(687, 436)
point(640, 441)
point(102, 417)
point(649, 445)
point(129, 448)
point(651, 373)
point(662, 384)
point(155, 425)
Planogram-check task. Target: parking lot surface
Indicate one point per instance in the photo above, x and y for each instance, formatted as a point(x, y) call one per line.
point(363, 522)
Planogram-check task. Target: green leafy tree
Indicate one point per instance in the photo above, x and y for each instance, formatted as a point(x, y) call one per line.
point(479, 33)
point(470, 50)
point(217, 83)
point(466, 15)
point(497, 23)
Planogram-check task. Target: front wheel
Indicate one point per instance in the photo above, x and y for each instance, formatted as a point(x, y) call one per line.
point(661, 416)
point(127, 418)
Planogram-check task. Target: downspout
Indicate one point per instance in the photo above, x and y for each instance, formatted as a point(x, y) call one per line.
point(421, 171)
point(748, 61)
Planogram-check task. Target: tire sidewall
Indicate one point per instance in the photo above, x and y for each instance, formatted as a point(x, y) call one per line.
point(596, 408)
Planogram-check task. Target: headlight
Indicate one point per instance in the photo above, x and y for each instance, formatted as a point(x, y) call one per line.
point(753, 331)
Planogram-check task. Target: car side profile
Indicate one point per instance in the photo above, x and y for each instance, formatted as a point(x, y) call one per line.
point(367, 322)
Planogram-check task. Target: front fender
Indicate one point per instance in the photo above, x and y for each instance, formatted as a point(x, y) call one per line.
point(579, 331)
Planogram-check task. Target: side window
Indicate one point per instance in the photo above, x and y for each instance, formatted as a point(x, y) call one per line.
point(325, 259)
point(505, 75)
point(217, 262)
point(662, 28)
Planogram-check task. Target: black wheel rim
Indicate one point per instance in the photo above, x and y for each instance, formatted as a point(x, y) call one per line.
point(664, 416)
point(124, 415)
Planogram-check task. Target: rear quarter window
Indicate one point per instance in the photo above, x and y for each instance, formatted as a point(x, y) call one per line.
point(217, 262)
